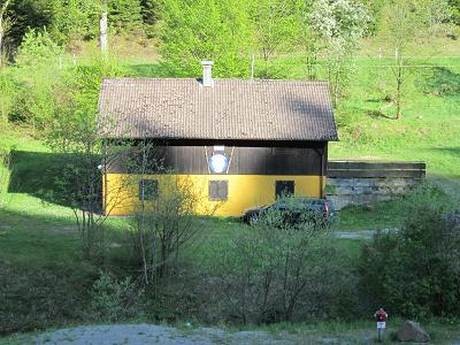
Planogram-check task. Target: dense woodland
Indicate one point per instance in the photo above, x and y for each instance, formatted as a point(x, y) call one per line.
point(394, 71)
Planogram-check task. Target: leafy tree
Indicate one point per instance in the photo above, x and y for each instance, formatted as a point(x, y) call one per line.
point(37, 75)
point(206, 29)
point(415, 272)
point(74, 19)
point(455, 9)
point(27, 15)
point(125, 15)
point(150, 15)
point(278, 25)
point(404, 28)
point(341, 25)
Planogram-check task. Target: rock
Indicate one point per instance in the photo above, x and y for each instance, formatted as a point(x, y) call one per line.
point(411, 331)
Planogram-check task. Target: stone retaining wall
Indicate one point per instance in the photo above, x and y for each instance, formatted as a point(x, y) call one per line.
point(362, 183)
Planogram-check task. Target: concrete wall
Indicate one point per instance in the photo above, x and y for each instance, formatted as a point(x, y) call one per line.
point(362, 183)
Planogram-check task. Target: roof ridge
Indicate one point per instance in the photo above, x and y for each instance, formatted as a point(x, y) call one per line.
point(220, 79)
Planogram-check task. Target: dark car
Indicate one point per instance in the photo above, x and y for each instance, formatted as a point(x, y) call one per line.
point(293, 211)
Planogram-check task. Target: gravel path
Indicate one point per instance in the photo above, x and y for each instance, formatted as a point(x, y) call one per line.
point(144, 334)
point(151, 334)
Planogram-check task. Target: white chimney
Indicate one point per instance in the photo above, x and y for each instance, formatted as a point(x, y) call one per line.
point(207, 73)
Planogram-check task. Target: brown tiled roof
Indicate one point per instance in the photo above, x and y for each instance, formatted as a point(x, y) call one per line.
point(231, 109)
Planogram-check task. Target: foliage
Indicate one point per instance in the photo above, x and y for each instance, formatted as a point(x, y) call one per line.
point(73, 19)
point(277, 271)
point(38, 48)
point(30, 86)
point(206, 30)
point(403, 28)
point(277, 25)
point(163, 226)
point(73, 131)
point(125, 16)
point(115, 300)
point(415, 272)
point(150, 16)
point(341, 25)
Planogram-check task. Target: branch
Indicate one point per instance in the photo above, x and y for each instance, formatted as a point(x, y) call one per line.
point(4, 8)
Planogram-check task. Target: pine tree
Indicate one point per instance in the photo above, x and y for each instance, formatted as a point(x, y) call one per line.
point(125, 15)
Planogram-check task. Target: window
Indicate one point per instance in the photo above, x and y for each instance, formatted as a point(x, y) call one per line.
point(218, 190)
point(284, 188)
point(148, 189)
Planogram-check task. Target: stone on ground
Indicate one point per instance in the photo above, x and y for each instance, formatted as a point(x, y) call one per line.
point(411, 331)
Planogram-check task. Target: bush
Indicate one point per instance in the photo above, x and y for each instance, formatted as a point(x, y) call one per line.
point(415, 272)
point(115, 300)
point(276, 271)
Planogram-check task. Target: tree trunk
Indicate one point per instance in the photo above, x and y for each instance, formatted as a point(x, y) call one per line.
point(2, 29)
point(1, 40)
point(399, 81)
point(103, 28)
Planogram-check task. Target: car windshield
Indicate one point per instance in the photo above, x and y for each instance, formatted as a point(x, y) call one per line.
point(296, 203)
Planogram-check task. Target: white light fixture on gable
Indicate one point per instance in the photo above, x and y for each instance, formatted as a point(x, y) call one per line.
point(218, 163)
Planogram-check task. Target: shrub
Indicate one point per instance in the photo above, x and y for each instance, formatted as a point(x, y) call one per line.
point(276, 271)
point(114, 300)
point(415, 272)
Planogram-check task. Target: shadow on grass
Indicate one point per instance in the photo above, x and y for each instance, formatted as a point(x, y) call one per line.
point(453, 151)
point(441, 81)
point(375, 114)
point(40, 174)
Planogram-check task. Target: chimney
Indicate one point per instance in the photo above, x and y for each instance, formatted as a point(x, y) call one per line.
point(207, 73)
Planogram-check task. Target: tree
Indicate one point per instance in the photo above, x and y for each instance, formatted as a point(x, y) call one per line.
point(277, 25)
point(404, 27)
point(150, 16)
point(341, 25)
point(416, 271)
point(125, 15)
point(73, 131)
point(163, 223)
point(103, 27)
point(73, 19)
point(218, 30)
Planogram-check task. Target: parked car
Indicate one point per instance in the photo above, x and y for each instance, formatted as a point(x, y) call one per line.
point(294, 211)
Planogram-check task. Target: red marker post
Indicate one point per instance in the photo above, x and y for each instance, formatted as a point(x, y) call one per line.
point(381, 316)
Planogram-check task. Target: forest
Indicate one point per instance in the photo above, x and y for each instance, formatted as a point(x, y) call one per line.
point(393, 69)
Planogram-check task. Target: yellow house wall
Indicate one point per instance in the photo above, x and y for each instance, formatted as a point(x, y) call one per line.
point(121, 191)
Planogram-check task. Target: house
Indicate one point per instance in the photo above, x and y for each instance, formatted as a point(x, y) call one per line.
point(241, 142)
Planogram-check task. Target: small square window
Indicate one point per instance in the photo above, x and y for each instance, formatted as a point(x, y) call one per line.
point(284, 188)
point(148, 189)
point(218, 190)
